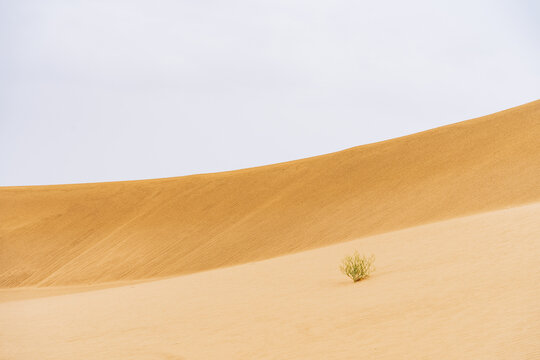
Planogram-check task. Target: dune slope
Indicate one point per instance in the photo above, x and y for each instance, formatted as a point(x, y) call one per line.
point(465, 288)
point(95, 233)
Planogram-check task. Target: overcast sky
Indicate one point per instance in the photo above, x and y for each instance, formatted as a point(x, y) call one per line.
point(120, 90)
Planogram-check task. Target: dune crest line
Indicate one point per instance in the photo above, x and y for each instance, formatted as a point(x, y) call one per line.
point(86, 233)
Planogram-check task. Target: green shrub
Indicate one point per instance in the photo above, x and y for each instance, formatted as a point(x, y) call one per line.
point(357, 267)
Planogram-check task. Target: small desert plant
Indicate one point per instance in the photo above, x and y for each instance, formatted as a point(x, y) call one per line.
point(357, 267)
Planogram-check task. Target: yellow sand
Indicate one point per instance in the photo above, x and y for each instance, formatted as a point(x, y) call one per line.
point(451, 214)
point(466, 288)
point(109, 232)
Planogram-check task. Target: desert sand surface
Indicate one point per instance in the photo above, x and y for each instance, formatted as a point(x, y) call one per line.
point(91, 234)
point(466, 288)
point(244, 264)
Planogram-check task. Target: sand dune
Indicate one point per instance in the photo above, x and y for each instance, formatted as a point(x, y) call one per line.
point(461, 289)
point(105, 232)
point(461, 282)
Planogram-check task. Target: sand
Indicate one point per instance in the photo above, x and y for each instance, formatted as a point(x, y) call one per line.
point(122, 231)
point(244, 264)
point(461, 289)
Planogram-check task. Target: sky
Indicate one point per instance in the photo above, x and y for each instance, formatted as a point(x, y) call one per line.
point(111, 90)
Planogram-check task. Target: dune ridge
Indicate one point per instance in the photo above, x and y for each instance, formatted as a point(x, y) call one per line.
point(95, 233)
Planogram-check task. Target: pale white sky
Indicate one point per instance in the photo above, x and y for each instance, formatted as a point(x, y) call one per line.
point(119, 90)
